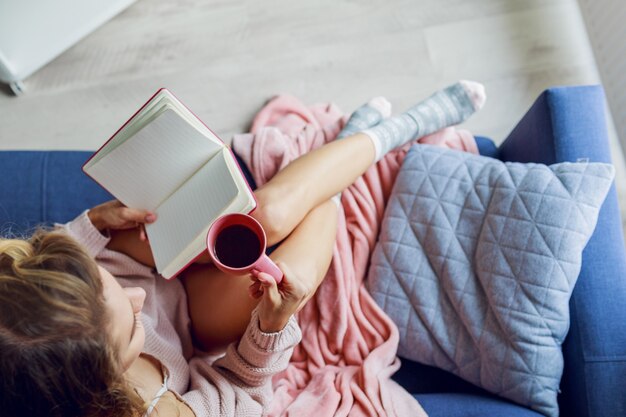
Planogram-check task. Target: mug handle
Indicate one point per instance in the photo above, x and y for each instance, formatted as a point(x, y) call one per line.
point(265, 264)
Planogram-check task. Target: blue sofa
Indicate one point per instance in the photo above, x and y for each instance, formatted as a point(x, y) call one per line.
point(564, 124)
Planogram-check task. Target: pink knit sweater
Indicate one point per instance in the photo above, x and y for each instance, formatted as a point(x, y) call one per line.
point(237, 383)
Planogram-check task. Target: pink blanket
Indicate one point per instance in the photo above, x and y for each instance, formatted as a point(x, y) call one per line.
point(344, 363)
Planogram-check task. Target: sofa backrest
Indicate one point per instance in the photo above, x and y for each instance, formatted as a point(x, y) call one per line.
point(42, 187)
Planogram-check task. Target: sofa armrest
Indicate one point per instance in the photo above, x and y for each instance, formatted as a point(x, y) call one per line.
point(564, 124)
point(568, 124)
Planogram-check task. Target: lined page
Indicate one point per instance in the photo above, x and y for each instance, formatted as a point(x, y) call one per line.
point(188, 212)
point(152, 110)
point(144, 170)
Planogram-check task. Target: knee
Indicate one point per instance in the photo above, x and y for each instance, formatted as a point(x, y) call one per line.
point(272, 217)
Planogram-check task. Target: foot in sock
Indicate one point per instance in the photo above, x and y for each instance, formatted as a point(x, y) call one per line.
point(366, 116)
point(447, 107)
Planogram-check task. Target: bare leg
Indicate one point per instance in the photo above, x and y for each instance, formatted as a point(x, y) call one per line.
point(219, 304)
point(322, 173)
point(310, 180)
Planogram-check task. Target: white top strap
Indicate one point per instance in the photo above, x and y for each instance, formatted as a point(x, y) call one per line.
point(157, 397)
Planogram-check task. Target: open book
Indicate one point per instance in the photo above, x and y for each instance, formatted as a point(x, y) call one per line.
point(164, 159)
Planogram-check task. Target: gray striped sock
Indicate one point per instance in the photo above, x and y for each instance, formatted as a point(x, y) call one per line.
point(368, 115)
point(447, 107)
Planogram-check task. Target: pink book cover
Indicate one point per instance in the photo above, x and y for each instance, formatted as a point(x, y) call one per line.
point(131, 118)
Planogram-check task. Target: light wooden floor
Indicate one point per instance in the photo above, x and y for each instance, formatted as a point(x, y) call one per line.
point(224, 58)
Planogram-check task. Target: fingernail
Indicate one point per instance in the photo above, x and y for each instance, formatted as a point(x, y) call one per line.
point(150, 218)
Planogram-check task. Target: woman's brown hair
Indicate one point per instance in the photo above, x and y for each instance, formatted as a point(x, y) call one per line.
point(56, 356)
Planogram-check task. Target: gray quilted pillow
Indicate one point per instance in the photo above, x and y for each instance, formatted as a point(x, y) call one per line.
point(476, 262)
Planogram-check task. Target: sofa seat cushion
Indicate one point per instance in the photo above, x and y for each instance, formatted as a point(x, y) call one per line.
point(468, 405)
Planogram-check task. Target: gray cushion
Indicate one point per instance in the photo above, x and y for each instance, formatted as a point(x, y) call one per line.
point(476, 262)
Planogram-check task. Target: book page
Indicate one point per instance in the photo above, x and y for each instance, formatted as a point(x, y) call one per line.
point(162, 101)
point(145, 169)
point(154, 109)
point(244, 202)
point(187, 213)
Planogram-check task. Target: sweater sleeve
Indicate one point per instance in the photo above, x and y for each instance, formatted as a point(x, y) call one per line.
point(240, 382)
point(86, 234)
point(117, 263)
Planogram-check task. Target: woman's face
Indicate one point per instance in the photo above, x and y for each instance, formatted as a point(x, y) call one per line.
point(124, 305)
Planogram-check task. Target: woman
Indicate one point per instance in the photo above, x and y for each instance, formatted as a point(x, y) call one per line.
point(71, 336)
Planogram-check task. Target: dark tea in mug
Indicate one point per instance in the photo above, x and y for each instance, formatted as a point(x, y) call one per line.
point(237, 246)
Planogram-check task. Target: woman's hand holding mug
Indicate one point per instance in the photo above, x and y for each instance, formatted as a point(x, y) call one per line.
point(278, 301)
point(236, 243)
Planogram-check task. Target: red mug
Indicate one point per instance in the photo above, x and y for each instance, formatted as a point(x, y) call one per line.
point(236, 243)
